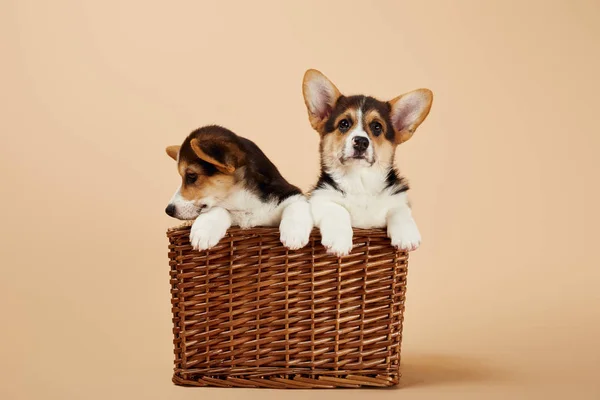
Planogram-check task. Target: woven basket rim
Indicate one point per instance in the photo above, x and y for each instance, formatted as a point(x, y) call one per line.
point(272, 229)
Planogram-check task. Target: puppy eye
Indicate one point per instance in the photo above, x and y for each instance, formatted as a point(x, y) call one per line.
point(376, 128)
point(344, 125)
point(190, 178)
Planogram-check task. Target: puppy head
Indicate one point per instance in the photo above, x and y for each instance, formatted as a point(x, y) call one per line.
point(207, 161)
point(361, 130)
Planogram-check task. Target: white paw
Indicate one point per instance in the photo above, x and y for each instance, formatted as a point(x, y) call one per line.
point(405, 235)
point(294, 233)
point(205, 235)
point(336, 239)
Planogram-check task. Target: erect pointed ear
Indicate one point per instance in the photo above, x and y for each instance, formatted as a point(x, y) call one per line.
point(173, 151)
point(320, 96)
point(408, 111)
point(226, 156)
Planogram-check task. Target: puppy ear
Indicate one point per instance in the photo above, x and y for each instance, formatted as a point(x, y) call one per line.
point(408, 111)
point(320, 96)
point(226, 156)
point(173, 151)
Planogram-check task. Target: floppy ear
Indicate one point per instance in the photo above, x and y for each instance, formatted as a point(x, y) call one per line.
point(408, 111)
point(173, 151)
point(226, 156)
point(320, 96)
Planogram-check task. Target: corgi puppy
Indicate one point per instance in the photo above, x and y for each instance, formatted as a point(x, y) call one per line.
point(227, 180)
point(359, 185)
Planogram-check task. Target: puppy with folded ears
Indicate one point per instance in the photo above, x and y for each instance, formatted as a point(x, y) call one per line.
point(227, 180)
point(359, 185)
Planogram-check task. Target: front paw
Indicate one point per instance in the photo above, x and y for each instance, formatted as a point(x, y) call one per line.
point(336, 239)
point(405, 235)
point(294, 233)
point(204, 235)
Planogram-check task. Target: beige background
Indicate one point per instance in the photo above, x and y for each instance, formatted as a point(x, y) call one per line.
point(503, 295)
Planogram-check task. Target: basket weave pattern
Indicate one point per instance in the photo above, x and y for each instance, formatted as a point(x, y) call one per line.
point(250, 313)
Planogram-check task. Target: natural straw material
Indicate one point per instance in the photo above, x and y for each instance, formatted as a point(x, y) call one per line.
point(249, 313)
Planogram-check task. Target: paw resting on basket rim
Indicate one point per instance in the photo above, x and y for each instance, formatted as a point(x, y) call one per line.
point(203, 237)
point(405, 235)
point(294, 234)
point(337, 239)
point(208, 229)
point(296, 224)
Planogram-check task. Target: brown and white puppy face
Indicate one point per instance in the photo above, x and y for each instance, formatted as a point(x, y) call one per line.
point(361, 130)
point(207, 163)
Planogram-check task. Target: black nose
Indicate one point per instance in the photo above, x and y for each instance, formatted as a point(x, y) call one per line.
point(170, 210)
point(360, 143)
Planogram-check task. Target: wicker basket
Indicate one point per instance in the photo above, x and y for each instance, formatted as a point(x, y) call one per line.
point(249, 313)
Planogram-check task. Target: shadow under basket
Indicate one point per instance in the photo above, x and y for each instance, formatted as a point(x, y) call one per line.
point(250, 313)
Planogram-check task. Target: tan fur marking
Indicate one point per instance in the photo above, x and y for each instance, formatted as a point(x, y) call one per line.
point(332, 146)
point(217, 186)
point(368, 119)
point(350, 113)
point(383, 148)
point(185, 167)
point(173, 151)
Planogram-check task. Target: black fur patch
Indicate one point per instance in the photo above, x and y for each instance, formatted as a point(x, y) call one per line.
point(264, 175)
point(260, 174)
point(208, 168)
point(395, 181)
point(326, 180)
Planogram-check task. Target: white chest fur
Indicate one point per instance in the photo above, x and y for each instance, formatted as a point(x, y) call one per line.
point(365, 196)
point(248, 210)
point(368, 211)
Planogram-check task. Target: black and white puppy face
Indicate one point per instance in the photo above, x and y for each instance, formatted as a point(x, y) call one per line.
point(360, 130)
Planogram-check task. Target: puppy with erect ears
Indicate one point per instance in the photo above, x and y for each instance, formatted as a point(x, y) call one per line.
point(227, 180)
point(359, 185)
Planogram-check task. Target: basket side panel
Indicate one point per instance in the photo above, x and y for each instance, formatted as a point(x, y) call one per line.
point(174, 257)
point(250, 313)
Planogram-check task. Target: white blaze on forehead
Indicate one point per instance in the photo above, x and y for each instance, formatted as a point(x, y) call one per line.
point(357, 131)
point(358, 126)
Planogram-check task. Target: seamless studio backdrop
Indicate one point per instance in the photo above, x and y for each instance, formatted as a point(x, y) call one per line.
point(503, 297)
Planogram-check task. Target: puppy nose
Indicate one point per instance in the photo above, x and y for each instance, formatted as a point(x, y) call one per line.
point(360, 143)
point(170, 210)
